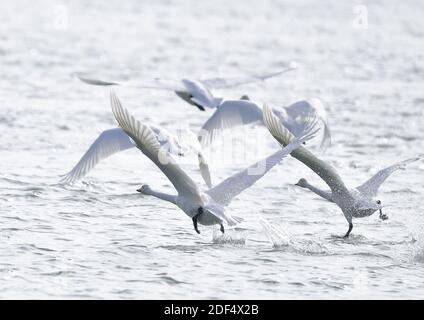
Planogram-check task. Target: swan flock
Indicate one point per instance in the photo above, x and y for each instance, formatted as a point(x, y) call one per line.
point(293, 127)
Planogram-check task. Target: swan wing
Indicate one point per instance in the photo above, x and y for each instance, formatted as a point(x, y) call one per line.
point(229, 114)
point(147, 142)
point(224, 192)
point(190, 143)
point(158, 84)
point(218, 211)
point(323, 169)
point(97, 82)
point(291, 124)
point(301, 110)
point(223, 83)
point(183, 143)
point(204, 169)
point(169, 142)
point(108, 143)
point(190, 140)
point(371, 186)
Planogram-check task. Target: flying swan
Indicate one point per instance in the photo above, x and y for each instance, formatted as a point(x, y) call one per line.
point(115, 140)
point(233, 113)
point(355, 203)
point(195, 92)
point(230, 114)
point(206, 208)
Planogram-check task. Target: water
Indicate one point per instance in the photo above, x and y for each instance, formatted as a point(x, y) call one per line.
point(100, 239)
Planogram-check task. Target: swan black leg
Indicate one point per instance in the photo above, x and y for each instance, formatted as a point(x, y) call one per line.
point(348, 231)
point(222, 228)
point(195, 222)
point(200, 211)
point(383, 216)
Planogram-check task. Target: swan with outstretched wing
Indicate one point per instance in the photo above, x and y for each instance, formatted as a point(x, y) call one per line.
point(115, 140)
point(234, 113)
point(354, 203)
point(195, 92)
point(206, 208)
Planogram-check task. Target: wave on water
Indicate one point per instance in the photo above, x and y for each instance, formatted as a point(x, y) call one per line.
point(13, 181)
point(92, 186)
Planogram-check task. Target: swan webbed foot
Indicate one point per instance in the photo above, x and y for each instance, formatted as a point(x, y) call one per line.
point(383, 216)
point(348, 231)
point(222, 228)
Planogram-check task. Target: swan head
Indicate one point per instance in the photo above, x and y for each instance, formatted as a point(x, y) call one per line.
point(145, 189)
point(380, 208)
point(302, 183)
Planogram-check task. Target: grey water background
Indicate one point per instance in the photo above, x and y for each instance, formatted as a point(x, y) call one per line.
point(100, 239)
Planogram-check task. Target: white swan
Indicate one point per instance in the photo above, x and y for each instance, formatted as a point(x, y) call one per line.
point(355, 203)
point(115, 140)
point(233, 113)
point(229, 114)
point(206, 208)
point(195, 92)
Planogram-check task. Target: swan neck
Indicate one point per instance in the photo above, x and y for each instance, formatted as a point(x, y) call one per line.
point(321, 168)
point(309, 159)
point(321, 193)
point(162, 196)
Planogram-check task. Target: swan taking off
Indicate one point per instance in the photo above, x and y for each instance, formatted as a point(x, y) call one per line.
point(233, 113)
point(206, 208)
point(195, 92)
point(355, 203)
point(115, 140)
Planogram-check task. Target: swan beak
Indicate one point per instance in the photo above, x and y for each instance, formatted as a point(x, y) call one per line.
point(139, 190)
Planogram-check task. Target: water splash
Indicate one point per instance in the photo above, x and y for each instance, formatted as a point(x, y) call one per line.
point(228, 238)
point(279, 238)
point(418, 248)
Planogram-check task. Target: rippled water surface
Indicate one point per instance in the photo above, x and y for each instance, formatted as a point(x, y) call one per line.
point(100, 239)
